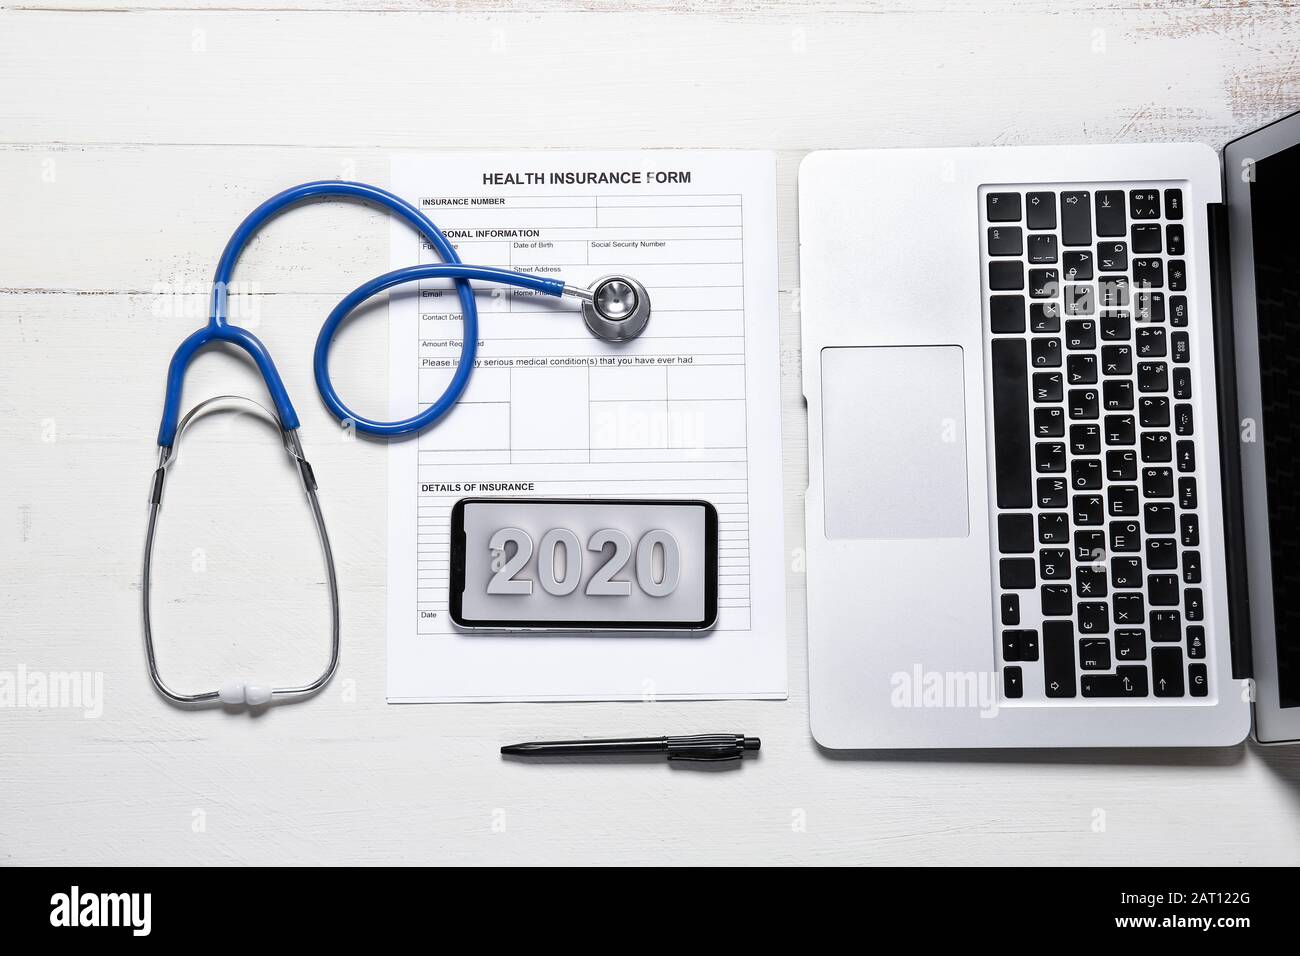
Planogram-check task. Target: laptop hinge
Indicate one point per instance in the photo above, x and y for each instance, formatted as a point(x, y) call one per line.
point(1234, 525)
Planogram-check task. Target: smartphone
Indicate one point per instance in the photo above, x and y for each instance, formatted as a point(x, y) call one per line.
point(576, 564)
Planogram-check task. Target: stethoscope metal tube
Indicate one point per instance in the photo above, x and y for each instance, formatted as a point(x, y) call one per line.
point(615, 308)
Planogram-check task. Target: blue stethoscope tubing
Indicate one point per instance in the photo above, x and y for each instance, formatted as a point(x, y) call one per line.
point(219, 328)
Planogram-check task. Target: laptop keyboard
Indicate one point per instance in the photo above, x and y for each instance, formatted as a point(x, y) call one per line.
point(1096, 538)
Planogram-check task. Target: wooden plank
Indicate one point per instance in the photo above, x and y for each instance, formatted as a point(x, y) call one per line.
point(429, 81)
point(750, 9)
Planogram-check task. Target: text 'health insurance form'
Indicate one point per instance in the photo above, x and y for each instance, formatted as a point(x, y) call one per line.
point(690, 409)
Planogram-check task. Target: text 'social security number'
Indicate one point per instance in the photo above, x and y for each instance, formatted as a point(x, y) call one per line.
point(559, 562)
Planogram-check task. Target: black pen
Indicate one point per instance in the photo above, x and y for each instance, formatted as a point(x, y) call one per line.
point(699, 747)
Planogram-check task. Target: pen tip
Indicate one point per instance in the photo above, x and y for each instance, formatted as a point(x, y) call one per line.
point(514, 749)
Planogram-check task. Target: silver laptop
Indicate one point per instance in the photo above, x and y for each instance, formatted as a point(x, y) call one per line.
point(1052, 407)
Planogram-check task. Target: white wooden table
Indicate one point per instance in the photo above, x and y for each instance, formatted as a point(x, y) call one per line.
point(134, 134)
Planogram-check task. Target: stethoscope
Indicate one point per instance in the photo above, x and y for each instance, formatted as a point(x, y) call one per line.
point(615, 308)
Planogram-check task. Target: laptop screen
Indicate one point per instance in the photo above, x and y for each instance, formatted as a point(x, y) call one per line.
point(1275, 217)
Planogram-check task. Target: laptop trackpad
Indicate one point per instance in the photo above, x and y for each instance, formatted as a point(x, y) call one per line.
point(894, 442)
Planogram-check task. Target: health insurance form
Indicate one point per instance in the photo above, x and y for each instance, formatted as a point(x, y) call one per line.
point(687, 410)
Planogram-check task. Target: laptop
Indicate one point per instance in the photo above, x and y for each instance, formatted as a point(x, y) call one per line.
point(1052, 397)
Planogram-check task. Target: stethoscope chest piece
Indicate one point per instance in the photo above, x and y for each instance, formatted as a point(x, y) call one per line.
point(618, 309)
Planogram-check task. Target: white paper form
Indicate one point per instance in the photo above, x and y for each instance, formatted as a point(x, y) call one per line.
point(688, 410)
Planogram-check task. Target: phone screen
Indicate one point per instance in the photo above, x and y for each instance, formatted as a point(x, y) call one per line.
point(570, 564)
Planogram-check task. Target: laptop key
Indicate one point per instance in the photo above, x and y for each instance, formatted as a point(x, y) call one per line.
point(1013, 682)
point(1048, 387)
point(1110, 213)
point(1085, 439)
point(1058, 659)
point(1076, 220)
point(1089, 511)
point(1112, 256)
point(1162, 590)
point(1011, 609)
point(1130, 645)
point(1006, 275)
point(1044, 317)
point(1012, 645)
point(1084, 404)
point(1017, 574)
point(1040, 210)
point(1077, 266)
point(1005, 241)
point(1094, 654)
point(1044, 283)
point(1016, 533)
point(1125, 537)
point(1042, 248)
point(1085, 474)
point(1167, 671)
point(1166, 626)
point(1153, 412)
point(1173, 204)
point(1049, 457)
point(1082, 369)
point(1113, 291)
point(1129, 609)
point(1007, 313)
point(1127, 681)
point(1054, 564)
point(1178, 310)
point(1011, 423)
point(1120, 429)
point(1049, 422)
point(1003, 207)
point(1046, 353)
point(1145, 203)
point(1146, 239)
point(1181, 347)
point(1056, 600)
point(1177, 275)
point(1053, 527)
point(1174, 240)
point(1122, 501)
point(1126, 572)
point(1162, 554)
point(1149, 273)
point(1156, 448)
point(1052, 493)
point(1198, 680)
point(1158, 517)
